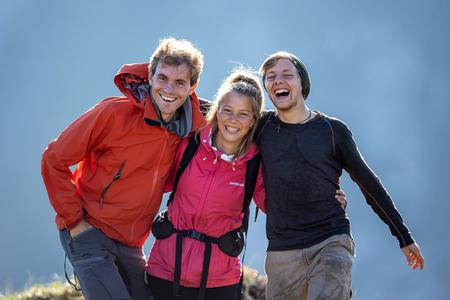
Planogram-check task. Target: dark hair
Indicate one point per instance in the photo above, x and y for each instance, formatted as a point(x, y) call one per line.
point(299, 65)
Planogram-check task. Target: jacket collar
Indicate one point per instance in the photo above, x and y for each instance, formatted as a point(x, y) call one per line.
point(206, 143)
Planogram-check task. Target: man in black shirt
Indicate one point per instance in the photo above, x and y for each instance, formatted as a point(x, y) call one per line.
point(311, 251)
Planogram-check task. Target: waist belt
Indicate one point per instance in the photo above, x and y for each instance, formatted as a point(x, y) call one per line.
point(230, 243)
point(206, 259)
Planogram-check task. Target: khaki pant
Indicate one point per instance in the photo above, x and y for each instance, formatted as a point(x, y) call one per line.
point(322, 271)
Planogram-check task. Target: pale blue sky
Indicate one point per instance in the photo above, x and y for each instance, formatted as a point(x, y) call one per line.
point(381, 66)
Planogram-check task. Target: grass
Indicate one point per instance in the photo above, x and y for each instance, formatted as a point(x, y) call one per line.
point(254, 285)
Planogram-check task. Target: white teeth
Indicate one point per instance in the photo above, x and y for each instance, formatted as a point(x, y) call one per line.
point(279, 91)
point(170, 99)
point(231, 129)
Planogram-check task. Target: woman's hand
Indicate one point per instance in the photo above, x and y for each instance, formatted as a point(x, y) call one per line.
point(340, 197)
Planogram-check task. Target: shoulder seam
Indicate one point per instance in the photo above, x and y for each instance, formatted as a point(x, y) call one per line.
point(332, 134)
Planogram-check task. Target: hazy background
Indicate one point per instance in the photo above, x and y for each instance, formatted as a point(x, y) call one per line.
point(382, 66)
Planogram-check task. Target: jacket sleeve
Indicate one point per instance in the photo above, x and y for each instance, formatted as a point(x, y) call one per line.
point(259, 195)
point(372, 188)
point(80, 138)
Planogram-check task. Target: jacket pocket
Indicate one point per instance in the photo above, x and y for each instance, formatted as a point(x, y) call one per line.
point(110, 183)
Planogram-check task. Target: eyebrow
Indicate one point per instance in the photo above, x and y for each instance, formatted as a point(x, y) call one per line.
point(282, 71)
point(241, 110)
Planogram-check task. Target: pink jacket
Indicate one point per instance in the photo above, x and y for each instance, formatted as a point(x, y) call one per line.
point(209, 199)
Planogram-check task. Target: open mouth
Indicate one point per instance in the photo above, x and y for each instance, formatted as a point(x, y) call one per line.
point(232, 130)
point(281, 92)
point(167, 99)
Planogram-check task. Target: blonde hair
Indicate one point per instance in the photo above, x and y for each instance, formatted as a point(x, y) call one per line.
point(245, 82)
point(176, 52)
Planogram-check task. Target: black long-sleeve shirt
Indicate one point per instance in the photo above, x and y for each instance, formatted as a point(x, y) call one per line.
point(302, 164)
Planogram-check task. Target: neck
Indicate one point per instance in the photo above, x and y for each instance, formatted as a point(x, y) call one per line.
point(167, 117)
point(225, 147)
point(297, 114)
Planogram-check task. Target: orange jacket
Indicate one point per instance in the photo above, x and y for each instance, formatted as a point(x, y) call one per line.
point(124, 157)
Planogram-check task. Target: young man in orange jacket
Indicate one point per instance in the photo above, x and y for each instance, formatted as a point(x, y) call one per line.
point(124, 147)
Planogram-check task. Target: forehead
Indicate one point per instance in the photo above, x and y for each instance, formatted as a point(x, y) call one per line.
point(173, 71)
point(237, 101)
point(282, 64)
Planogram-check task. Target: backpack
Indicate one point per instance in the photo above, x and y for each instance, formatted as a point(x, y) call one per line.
point(232, 243)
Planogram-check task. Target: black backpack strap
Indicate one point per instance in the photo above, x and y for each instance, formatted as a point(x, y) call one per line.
point(251, 174)
point(185, 160)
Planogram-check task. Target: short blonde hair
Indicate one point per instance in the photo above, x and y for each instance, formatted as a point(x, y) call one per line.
point(246, 82)
point(176, 52)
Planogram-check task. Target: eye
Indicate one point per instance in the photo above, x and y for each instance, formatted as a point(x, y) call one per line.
point(161, 77)
point(245, 116)
point(181, 83)
point(270, 77)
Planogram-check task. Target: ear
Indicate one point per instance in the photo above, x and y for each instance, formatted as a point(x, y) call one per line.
point(193, 88)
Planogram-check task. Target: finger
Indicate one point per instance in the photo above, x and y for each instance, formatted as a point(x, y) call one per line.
point(419, 259)
point(417, 255)
point(340, 192)
point(415, 258)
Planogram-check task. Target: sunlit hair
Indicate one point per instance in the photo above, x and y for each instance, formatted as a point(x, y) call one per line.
point(176, 52)
point(245, 82)
point(272, 59)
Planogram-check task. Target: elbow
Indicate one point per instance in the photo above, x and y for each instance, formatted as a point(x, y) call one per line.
point(49, 158)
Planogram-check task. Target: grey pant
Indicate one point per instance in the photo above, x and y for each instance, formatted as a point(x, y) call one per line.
point(322, 271)
point(106, 268)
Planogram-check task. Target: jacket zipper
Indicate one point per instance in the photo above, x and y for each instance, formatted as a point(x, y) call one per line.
point(202, 203)
point(106, 188)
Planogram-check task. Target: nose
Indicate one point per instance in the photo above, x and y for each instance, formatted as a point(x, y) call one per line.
point(168, 87)
point(277, 79)
point(233, 118)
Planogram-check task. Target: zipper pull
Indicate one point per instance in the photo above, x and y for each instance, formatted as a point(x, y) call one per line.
point(116, 177)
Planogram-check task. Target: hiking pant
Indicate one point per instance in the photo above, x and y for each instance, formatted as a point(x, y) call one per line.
point(163, 290)
point(322, 271)
point(106, 269)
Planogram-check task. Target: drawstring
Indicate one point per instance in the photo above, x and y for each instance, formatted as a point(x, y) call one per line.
point(74, 285)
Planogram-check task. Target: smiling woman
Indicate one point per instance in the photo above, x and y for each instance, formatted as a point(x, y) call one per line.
point(235, 111)
point(207, 210)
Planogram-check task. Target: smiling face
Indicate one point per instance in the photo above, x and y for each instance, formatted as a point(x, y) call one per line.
point(170, 87)
point(283, 85)
point(235, 118)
